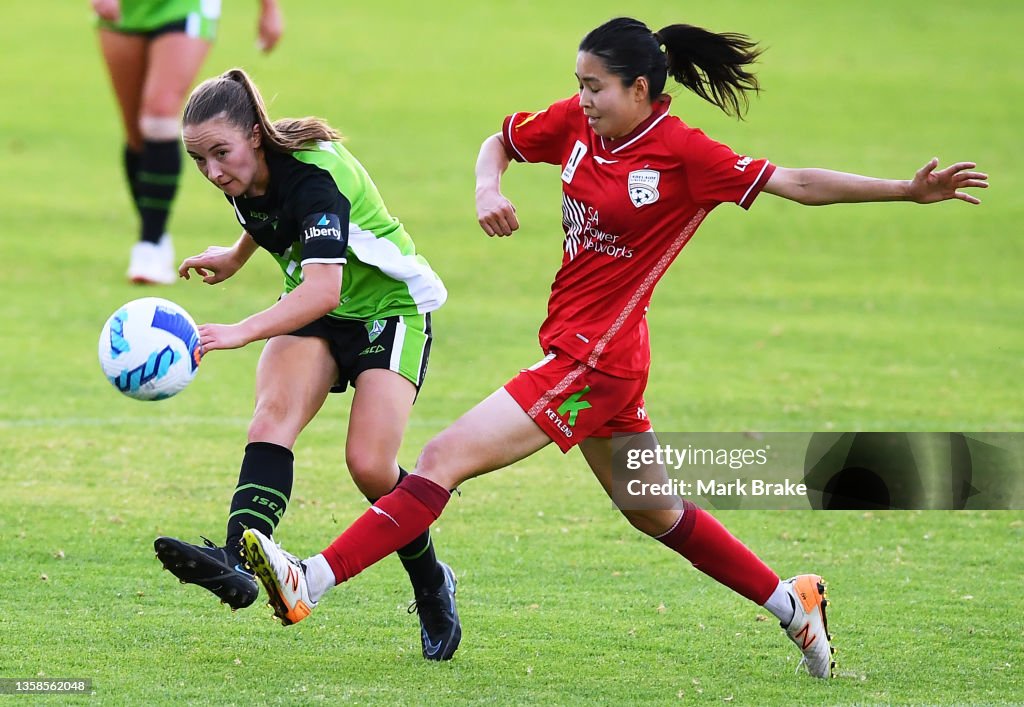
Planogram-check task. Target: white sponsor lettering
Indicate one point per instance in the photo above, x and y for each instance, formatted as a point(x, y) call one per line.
point(559, 422)
point(582, 232)
point(317, 232)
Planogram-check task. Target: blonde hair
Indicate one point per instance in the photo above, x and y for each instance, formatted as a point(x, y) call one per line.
point(234, 97)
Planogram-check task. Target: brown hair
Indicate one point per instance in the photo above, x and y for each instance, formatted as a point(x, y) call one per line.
point(234, 97)
point(709, 64)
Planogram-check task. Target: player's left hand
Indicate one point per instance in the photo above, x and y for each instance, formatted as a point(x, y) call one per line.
point(930, 186)
point(271, 26)
point(222, 336)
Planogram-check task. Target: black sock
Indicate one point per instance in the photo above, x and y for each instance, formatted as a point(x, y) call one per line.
point(156, 184)
point(418, 557)
point(261, 497)
point(131, 173)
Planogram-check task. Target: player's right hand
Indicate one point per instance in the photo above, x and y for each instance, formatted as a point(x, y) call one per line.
point(271, 26)
point(215, 264)
point(496, 214)
point(109, 10)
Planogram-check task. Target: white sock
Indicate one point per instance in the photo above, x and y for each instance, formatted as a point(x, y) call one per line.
point(319, 576)
point(780, 603)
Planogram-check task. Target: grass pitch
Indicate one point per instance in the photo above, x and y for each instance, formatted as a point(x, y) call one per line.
point(873, 317)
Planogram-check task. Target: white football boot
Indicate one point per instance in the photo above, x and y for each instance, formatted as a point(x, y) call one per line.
point(281, 573)
point(153, 263)
point(809, 627)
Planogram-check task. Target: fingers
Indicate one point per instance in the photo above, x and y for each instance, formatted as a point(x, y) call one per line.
point(496, 226)
point(501, 222)
point(208, 340)
point(267, 41)
point(973, 183)
point(186, 265)
point(959, 167)
point(197, 263)
point(963, 179)
point(927, 169)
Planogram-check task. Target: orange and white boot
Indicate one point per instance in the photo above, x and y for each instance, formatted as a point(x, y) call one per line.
point(281, 573)
point(809, 627)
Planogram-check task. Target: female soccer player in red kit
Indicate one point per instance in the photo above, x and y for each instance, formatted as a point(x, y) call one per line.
point(636, 184)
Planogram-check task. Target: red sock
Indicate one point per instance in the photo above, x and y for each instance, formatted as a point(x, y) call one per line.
point(717, 553)
point(392, 522)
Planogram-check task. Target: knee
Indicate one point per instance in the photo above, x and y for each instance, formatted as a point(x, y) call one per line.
point(374, 472)
point(159, 127)
point(161, 102)
point(434, 464)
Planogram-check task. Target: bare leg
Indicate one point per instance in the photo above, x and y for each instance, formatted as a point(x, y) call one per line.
point(125, 56)
point(492, 435)
point(172, 64)
point(380, 412)
point(663, 511)
point(293, 377)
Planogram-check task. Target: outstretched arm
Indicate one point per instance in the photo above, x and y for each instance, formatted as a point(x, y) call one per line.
point(495, 213)
point(313, 298)
point(817, 187)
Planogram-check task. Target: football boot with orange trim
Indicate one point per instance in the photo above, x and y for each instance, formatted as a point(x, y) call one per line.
point(282, 575)
point(809, 627)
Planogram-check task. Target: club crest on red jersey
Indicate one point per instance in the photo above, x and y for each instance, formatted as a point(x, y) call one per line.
point(642, 186)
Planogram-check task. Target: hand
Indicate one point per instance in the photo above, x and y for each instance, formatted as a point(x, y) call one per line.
point(495, 213)
point(109, 10)
point(271, 26)
point(929, 186)
point(215, 264)
point(222, 336)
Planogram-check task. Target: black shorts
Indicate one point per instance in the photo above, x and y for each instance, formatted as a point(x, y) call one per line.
point(400, 344)
point(169, 28)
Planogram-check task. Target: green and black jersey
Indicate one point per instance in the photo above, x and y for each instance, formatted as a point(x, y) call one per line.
point(196, 18)
point(322, 207)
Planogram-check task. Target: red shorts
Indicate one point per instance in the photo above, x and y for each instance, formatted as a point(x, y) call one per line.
point(571, 401)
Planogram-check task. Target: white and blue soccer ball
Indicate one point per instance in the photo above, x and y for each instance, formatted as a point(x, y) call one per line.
point(149, 349)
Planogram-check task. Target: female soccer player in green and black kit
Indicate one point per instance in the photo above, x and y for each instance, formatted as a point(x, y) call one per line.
point(153, 50)
point(356, 310)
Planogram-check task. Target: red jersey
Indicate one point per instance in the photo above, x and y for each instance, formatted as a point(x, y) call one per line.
point(628, 207)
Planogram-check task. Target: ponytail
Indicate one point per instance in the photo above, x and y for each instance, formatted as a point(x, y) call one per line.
point(234, 97)
point(711, 65)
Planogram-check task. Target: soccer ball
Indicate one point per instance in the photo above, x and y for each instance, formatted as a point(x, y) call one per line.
point(149, 349)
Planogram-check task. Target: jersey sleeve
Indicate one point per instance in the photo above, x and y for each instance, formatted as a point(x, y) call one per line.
point(717, 174)
point(322, 213)
point(541, 136)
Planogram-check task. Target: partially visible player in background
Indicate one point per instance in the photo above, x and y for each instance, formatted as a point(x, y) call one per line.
point(356, 311)
point(153, 51)
point(636, 184)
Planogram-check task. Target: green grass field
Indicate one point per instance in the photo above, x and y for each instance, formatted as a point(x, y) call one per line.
point(872, 317)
